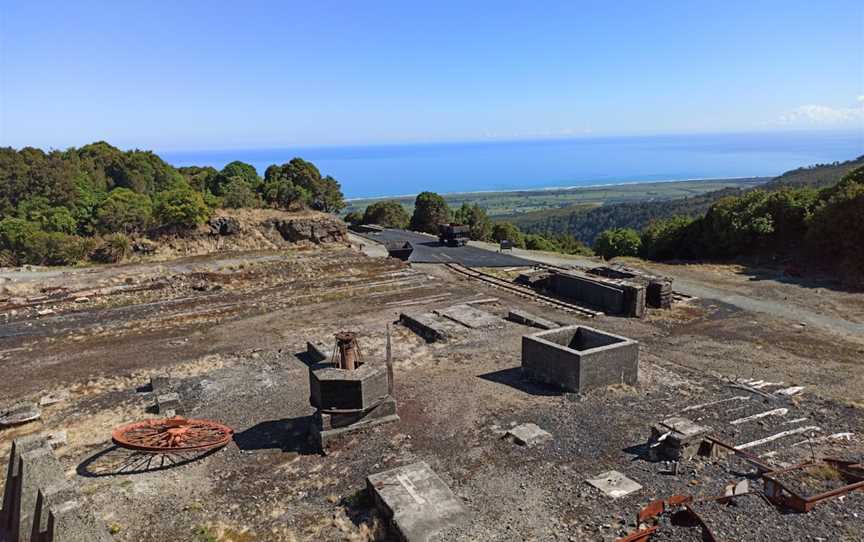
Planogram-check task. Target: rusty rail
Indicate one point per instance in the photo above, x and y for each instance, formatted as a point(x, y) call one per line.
point(781, 495)
point(521, 290)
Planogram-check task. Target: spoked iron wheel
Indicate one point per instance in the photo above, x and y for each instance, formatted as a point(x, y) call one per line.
point(172, 435)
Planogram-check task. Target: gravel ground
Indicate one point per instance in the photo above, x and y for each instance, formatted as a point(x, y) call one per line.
point(234, 349)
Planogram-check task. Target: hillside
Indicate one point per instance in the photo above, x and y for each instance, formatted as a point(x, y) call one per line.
point(587, 223)
point(816, 176)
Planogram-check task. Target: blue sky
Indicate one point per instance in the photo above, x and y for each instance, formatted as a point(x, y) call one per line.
point(197, 75)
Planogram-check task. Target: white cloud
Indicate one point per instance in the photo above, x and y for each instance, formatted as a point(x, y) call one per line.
point(821, 115)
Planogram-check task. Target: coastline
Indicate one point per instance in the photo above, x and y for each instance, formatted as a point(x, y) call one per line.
point(572, 188)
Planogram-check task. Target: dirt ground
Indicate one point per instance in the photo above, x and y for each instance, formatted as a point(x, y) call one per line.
point(231, 330)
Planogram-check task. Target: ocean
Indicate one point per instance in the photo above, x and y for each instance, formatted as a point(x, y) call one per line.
point(390, 170)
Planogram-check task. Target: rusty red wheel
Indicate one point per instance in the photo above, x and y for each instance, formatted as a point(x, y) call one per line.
point(171, 435)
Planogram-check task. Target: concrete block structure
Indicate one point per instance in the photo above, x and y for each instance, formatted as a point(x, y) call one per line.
point(612, 296)
point(528, 319)
point(580, 358)
point(415, 502)
point(349, 400)
point(430, 326)
point(39, 504)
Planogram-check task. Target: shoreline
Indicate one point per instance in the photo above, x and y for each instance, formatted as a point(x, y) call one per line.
point(562, 188)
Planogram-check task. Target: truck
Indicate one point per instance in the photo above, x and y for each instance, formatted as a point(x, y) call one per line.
point(453, 235)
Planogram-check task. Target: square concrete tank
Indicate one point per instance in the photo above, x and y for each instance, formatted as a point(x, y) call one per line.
point(340, 389)
point(580, 358)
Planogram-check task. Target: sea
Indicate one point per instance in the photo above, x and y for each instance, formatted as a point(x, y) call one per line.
point(366, 171)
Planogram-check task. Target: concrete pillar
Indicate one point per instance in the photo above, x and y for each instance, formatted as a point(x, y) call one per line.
point(10, 512)
point(37, 469)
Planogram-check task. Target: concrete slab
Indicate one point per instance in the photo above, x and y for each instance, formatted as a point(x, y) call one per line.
point(19, 413)
point(614, 484)
point(430, 326)
point(527, 434)
point(416, 502)
point(54, 398)
point(69, 522)
point(469, 316)
point(528, 319)
point(168, 403)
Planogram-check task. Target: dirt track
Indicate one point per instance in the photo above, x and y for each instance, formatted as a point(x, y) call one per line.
point(230, 331)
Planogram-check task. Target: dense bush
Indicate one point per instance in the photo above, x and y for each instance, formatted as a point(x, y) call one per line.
point(617, 242)
point(476, 219)
point(299, 182)
point(124, 211)
point(180, 207)
point(505, 231)
point(238, 193)
point(387, 213)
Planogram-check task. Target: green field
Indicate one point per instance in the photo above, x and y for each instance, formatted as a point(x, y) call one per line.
point(525, 201)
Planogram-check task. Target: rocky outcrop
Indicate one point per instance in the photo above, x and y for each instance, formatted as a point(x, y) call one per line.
point(239, 230)
point(318, 230)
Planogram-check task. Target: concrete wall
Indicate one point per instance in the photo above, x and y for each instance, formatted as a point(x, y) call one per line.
point(605, 359)
point(605, 297)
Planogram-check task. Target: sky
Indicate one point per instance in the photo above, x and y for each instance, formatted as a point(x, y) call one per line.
point(225, 74)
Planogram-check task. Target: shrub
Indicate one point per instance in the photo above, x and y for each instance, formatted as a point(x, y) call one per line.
point(389, 213)
point(506, 231)
point(669, 238)
point(237, 193)
point(180, 207)
point(538, 242)
point(124, 210)
point(113, 248)
point(617, 242)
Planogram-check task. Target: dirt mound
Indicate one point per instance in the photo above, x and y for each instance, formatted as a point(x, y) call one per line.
point(248, 229)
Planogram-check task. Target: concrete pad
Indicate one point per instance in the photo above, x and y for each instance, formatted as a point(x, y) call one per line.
point(614, 484)
point(54, 398)
point(528, 434)
point(416, 502)
point(528, 319)
point(469, 316)
point(19, 413)
point(430, 326)
point(167, 403)
point(68, 522)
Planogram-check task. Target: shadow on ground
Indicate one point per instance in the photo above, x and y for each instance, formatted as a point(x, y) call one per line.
point(114, 461)
point(287, 435)
point(514, 378)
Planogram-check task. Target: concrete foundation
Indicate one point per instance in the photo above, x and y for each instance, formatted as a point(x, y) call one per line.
point(316, 351)
point(675, 438)
point(430, 326)
point(580, 358)
point(415, 501)
point(528, 319)
point(614, 484)
point(348, 400)
point(612, 296)
point(469, 316)
point(527, 434)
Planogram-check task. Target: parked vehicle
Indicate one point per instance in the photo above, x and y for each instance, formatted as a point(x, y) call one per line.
point(453, 235)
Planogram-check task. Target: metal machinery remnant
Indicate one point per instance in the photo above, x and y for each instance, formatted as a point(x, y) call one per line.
point(346, 354)
point(453, 235)
point(827, 478)
point(349, 394)
point(172, 435)
point(400, 251)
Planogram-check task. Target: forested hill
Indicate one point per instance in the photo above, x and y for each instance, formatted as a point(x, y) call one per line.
point(586, 223)
point(817, 176)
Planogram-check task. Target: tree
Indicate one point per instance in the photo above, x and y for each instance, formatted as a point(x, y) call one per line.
point(735, 226)
point(506, 231)
point(180, 207)
point(233, 171)
point(835, 234)
point(280, 192)
point(327, 196)
point(670, 238)
point(539, 242)
point(389, 213)
point(476, 219)
point(430, 209)
point(354, 217)
point(302, 179)
point(617, 242)
point(237, 193)
point(124, 211)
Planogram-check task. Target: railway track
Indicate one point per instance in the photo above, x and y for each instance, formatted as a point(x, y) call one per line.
point(522, 291)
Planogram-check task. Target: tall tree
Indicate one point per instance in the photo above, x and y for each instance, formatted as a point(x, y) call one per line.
point(430, 209)
point(389, 213)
